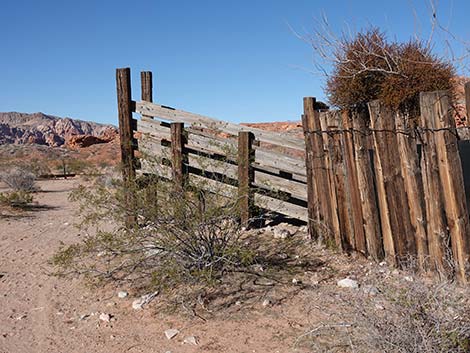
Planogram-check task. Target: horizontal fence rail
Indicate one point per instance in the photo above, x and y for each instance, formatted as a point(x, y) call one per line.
point(370, 180)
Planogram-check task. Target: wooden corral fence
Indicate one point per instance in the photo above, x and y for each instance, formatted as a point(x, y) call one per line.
point(369, 180)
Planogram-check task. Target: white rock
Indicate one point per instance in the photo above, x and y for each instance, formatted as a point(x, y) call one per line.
point(170, 333)
point(238, 302)
point(348, 283)
point(105, 317)
point(379, 307)
point(408, 278)
point(383, 263)
point(143, 300)
point(281, 233)
point(190, 340)
point(296, 281)
point(122, 294)
point(266, 302)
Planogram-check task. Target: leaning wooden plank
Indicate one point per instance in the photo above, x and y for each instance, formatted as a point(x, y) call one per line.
point(365, 180)
point(451, 175)
point(397, 211)
point(167, 113)
point(407, 146)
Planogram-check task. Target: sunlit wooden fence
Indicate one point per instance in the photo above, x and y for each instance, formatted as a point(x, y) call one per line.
point(371, 180)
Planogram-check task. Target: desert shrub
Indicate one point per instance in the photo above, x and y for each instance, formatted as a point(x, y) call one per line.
point(19, 179)
point(421, 318)
point(16, 199)
point(178, 237)
point(368, 67)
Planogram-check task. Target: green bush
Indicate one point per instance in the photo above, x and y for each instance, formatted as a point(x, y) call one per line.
point(17, 199)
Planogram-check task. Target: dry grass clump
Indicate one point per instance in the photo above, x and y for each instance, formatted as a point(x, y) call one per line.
point(369, 67)
point(19, 179)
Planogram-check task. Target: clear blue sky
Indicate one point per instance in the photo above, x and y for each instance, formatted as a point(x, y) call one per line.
point(235, 60)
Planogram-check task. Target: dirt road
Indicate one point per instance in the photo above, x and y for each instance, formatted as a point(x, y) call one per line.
point(42, 313)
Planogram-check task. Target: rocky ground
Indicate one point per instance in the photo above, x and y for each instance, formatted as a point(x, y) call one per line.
point(320, 310)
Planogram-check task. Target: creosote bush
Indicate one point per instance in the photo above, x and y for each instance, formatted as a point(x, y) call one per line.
point(178, 237)
point(368, 67)
point(19, 179)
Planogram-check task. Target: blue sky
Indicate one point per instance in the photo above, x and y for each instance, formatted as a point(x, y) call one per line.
point(234, 60)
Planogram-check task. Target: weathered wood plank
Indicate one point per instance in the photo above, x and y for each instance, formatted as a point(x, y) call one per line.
point(177, 161)
point(123, 85)
point(340, 177)
point(316, 157)
point(396, 213)
point(246, 176)
point(407, 147)
point(198, 139)
point(146, 86)
point(328, 146)
point(438, 110)
point(353, 186)
point(365, 180)
point(171, 114)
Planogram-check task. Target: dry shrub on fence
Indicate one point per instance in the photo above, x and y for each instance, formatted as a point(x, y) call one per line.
point(368, 67)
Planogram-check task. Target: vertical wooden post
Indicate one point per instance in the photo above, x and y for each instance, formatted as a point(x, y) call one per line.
point(353, 186)
point(246, 175)
point(437, 106)
point(328, 142)
point(315, 163)
point(345, 238)
point(467, 102)
point(407, 146)
point(177, 160)
point(366, 185)
point(124, 99)
point(146, 86)
point(397, 230)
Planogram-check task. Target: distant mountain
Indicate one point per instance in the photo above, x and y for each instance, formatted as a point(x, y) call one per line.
point(43, 129)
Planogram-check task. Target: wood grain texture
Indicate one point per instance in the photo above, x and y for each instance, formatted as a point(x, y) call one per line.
point(397, 228)
point(177, 159)
point(171, 114)
point(438, 111)
point(246, 176)
point(366, 185)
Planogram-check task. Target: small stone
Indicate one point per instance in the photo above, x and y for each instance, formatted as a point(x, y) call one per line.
point(266, 303)
point(383, 263)
point(296, 281)
point(105, 317)
point(84, 317)
point(281, 233)
point(395, 272)
point(143, 300)
point(379, 307)
point(190, 340)
point(238, 302)
point(370, 290)
point(408, 278)
point(347, 283)
point(171, 333)
point(122, 294)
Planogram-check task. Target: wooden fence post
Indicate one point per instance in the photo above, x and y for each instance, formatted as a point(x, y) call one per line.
point(177, 160)
point(318, 179)
point(397, 230)
point(246, 176)
point(435, 106)
point(353, 186)
point(467, 102)
point(366, 185)
point(146, 86)
point(124, 99)
point(407, 146)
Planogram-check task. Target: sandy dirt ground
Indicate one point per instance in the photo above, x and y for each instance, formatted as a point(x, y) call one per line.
point(42, 313)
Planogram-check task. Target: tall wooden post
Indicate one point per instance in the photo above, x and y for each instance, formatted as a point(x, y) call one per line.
point(177, 148)
point(467, 102)
point(146, 86)
point(246, 175)
point(124, 99)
